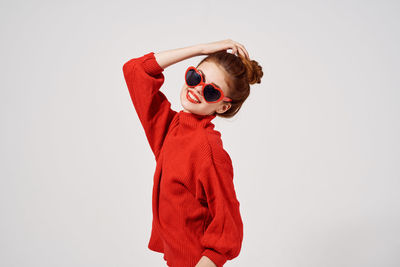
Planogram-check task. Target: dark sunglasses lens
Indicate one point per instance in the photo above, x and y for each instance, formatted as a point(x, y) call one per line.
point(192, 78)
point(211, 94)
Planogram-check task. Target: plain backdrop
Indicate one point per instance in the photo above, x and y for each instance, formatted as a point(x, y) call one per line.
point(315, 147)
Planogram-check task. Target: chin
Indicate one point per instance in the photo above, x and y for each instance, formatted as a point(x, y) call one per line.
point(188, 108)
point(194, 111)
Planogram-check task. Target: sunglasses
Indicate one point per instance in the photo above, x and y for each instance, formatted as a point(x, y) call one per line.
point(211, 93)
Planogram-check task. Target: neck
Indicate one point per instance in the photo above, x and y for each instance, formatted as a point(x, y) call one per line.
point(195, 120)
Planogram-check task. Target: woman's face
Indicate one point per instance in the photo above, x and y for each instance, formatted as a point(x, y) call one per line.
point(212, 74)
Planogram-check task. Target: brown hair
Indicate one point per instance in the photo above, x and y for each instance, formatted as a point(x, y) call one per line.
point(241, 73)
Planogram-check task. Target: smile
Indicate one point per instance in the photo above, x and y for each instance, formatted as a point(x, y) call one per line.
point(192, 98)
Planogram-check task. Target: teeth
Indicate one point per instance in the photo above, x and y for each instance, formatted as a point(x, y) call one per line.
point(193, 97)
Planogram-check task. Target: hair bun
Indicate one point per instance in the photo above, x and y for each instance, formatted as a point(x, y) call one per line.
point(253, 69)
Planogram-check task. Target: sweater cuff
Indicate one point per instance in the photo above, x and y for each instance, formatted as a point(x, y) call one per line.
point(216, 257)
point(151, 65)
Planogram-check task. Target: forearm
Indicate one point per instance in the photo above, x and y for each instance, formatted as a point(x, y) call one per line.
point(205, 262)
point(169, 57)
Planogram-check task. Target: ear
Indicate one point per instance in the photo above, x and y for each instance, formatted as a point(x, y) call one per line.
point(223, 108)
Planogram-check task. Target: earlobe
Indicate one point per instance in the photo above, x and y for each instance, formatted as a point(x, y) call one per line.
point(224, 108)
point(227, 107)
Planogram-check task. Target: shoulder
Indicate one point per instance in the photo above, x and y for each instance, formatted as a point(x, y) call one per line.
point(215, 146)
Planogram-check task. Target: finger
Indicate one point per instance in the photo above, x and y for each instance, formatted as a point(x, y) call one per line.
point(244, 50)
point(234, 50)
point(239, 51)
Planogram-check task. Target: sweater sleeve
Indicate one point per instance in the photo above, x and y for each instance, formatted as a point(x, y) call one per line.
point(144, 77)
point(223, 235)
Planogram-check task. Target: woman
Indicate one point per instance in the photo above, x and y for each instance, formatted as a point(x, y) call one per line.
point(196, 215)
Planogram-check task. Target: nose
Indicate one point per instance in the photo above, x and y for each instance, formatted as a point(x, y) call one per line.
point(198, 89)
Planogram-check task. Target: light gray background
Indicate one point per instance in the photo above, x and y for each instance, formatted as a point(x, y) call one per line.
point(315, 147)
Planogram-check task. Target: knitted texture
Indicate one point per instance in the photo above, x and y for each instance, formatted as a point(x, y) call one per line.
point(194, 204)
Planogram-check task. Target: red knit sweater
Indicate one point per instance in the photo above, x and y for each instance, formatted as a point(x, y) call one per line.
point(195, 209)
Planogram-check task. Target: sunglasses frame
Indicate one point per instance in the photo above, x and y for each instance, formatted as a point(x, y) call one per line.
point(203, 85)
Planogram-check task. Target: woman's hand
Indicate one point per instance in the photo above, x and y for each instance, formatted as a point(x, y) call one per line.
point(205, 262)
point(236, 47)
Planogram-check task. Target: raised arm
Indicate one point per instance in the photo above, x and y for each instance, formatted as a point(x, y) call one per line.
point(170, 57)
point(144, 77)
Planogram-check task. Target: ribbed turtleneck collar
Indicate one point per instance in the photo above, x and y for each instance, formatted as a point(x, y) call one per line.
point(195, 120)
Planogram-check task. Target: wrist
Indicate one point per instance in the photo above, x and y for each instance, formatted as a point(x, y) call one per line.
point(205, 262)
